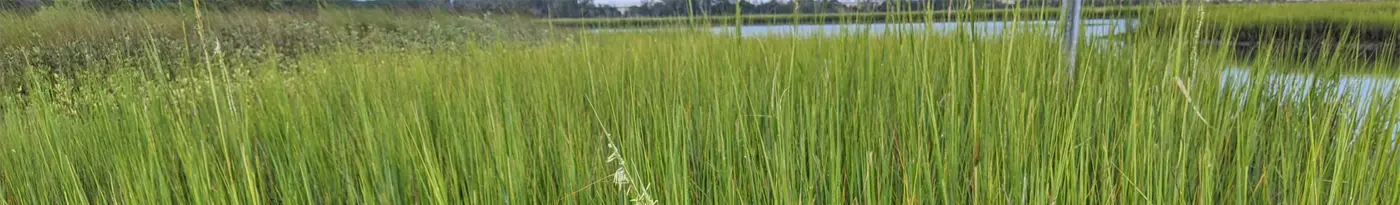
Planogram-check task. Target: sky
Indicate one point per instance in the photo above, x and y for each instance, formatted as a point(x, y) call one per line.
point(635, 2)
point(619, 2)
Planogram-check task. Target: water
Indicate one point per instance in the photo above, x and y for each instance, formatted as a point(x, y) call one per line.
point(1356, 88)
point(1359, 90)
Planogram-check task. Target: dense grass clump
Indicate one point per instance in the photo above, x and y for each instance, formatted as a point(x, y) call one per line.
point(871, 17)
point(66, 44)
point(690, 118)
point(1366, 21)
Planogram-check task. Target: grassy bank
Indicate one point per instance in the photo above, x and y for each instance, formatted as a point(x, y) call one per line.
point(943, 15)
point(1362, 21)
point(71, 44)
point(703, 119)
point(1252, 22)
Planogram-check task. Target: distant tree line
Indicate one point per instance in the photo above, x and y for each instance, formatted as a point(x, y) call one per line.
point(590, 9)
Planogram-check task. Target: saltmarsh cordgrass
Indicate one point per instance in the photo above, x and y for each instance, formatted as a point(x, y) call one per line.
point(699, 118)
point(712, 119)
point(61, 43)
point(894, 16)
point(1369, 22)
point(1379, 15)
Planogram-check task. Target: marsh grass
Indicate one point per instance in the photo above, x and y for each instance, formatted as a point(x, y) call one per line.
point(699, 118)
point(64, 44)
point(1370, 22)
point(871, 17)
point(1380, 15)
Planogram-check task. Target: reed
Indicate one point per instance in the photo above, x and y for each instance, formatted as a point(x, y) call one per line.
point(903, 117)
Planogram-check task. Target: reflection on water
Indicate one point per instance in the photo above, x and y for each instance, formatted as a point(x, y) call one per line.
point(1358, 90)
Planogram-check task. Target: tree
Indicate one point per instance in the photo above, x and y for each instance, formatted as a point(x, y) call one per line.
point(603, 11)
point(24, 6)
point(484, 6)
point(774, 7)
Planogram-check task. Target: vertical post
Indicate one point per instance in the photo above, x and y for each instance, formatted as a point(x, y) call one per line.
point(1071, 14)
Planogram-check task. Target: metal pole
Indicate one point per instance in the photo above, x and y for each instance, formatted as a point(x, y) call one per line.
point(1072, 16)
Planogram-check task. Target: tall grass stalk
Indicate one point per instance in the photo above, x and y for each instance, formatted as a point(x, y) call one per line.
point(700, 118)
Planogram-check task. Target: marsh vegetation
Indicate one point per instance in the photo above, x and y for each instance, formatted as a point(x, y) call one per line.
point(230, 107)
